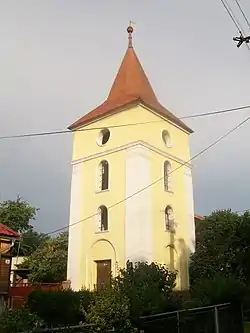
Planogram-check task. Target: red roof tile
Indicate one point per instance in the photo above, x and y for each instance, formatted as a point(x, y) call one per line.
point(6, 231)
point(198, 217)
point(131, 85)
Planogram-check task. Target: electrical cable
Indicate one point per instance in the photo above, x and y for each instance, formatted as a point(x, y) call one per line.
point(234, 19)
point(157, 180)
point(242, 12)
point(37, 134)
point(230, 13)
point(215, 112)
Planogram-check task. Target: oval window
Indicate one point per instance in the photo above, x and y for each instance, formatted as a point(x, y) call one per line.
point(103, 137)
point(166, 138)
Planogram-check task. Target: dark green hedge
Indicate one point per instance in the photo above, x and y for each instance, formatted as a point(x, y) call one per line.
point(60, 308)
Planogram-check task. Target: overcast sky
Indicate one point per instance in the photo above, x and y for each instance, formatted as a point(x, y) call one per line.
point(58, 59)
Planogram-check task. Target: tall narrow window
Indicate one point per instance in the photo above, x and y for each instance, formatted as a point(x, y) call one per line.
point(104, 175)
point(169, 219)
point(167, 176)
point(102, 218)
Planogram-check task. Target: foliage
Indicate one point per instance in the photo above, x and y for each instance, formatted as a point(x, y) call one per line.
point(58, 308)
point(217, 290)
point(109, 311)
point(49, 262)
point(16, 214)
point(148, 287)
point(18, 320)
point(223, 246)
point(31, 240)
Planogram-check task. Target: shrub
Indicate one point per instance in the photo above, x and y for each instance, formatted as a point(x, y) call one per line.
point(109, 311)
point(217, 290)
point(58, 308)
point(148, 287)
point(18, 320)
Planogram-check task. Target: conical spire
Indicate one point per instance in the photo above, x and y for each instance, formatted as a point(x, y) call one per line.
point(131, 87)
point(131, 79)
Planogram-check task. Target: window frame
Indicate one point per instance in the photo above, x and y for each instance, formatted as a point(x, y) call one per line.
point(102, 213)
point(104, 175)
point(101, 135)
point(167, 177)
point(166, 138)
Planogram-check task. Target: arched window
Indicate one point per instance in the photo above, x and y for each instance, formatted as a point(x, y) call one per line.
point(102, 218)
point(169, 219)
point(167, 176)
point(104, 175)
point(166, 138)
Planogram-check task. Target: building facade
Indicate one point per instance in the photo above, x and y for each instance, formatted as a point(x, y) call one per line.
point(131, 191)
point(7, 240)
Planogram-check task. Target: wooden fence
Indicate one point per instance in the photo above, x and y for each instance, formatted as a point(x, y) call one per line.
point(20, 291)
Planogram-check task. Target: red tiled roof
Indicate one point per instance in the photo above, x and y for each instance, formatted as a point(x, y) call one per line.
point(198, 217)
point(6, 231)
point(131, 85)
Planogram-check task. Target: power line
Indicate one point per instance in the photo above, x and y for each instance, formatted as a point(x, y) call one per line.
point(242, 12)
point(242, 39)
point(242, 211)
point(216, 112)
point(37, 134)
point(157, 180)
point(18, 136)
point(232, 16)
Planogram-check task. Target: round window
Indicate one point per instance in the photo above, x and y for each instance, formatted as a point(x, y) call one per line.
point(103, 137)
point(166, 138)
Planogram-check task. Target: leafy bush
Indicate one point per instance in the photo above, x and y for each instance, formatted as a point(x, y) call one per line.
point(49, 262)
point(108, 311)
point(18, 320)
point(59, 307)
point(148, 287)
point(217, 290)
point(223, 246)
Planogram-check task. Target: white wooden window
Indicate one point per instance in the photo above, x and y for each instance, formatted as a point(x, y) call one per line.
point(103, 175)
point(167, 169)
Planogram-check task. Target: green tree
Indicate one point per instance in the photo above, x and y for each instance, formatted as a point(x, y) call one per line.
point(17, 214)
point(31, 240)
point(223, 246)
point(49, 262)
point(148, 287)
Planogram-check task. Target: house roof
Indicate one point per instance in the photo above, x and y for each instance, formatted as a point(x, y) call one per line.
point(6, 231)
point(199, 217)
point(131, 86)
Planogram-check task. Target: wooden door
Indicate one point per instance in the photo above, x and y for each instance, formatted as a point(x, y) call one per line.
point(103, 272)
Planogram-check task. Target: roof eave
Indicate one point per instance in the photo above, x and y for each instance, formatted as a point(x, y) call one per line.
point(136, 101)
point(120, 108)
point(10, 237)
point(176, 121)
